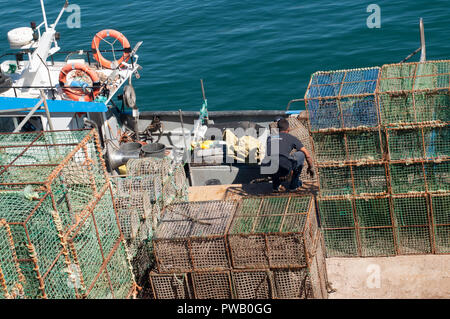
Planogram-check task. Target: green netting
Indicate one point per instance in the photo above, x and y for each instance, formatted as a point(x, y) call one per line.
point(101, 288)
point(407, 178)
point(9, 266)
point(442, 239)
point(271, 216)
point(437, 142)
point(441, 209)
point(274, 206)
point(396, 109)
point(405, 144)
point(432, 75)
point(438, 176)
point(397, 77)
point(329, 147)
point(336, 213)
point(86, 253)
point(370, 179)
point(35, 227)
point(119, 271)
point(441, 220)
point(377, 242)
point(432, 106)
point(39, 220)
point(335, 181)
point(410, 210)
point(58, 284)
point(250, 206)
point(414, 240)
point(31, 287)
point(408, 144)
point(373, 212)
point(364, 146)
point(417, 107)
point(340, 242)
point(106, 221)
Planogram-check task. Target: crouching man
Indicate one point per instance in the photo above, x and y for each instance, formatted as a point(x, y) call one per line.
point(279, 148)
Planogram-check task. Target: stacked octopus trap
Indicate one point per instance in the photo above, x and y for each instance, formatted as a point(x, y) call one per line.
point(382, 149)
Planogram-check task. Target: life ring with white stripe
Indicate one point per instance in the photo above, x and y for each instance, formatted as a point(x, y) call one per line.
point(75, 93)
point(119, 37)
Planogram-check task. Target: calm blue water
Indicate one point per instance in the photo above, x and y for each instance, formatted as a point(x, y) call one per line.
point(251, 54)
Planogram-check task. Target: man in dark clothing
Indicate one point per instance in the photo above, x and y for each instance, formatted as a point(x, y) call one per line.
point(287, 162)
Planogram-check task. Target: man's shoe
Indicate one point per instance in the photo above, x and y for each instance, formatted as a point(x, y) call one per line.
point(296, 187)
point(280, 189)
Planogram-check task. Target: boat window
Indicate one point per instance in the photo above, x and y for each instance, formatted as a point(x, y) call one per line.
point(8, 124)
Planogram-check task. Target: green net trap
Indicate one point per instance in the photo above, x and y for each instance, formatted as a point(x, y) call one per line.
point(414, 93)
point(357, 226)
point(273, 232)
point(386, 225)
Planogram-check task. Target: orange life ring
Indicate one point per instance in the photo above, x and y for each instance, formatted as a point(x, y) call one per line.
point(119, 37)
point(76, 94)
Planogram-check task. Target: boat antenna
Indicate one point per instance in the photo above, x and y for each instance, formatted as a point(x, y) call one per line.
point(44, 14)
point(423, 51)
point(422, 48)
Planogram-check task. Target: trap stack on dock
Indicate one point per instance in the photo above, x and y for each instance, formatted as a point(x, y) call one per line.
point(382, 163)
point(56, 198)
point(260, 248)
point(151, 185)
point(349, 153)
point(414, 103)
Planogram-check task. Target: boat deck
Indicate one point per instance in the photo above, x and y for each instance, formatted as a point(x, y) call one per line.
point(236, 191)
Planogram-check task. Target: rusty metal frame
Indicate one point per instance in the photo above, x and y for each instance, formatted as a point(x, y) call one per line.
point(357, 227)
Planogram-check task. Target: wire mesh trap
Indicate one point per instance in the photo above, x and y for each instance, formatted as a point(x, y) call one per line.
point(212, 285)
point(415, 223)
point(272, 232)
point(342, 99)
point(414, 93)
point(56, 198)
point(192, 236)
point(171, 286)
point(168, 179)
point(357, 226)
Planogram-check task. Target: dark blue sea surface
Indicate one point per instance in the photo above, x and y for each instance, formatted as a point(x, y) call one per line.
point(251, 54)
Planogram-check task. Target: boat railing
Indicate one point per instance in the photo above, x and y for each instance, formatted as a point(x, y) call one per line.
point(52, 89)
point(88, 53)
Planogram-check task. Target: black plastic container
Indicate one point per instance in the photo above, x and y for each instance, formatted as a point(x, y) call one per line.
point(154, 150)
